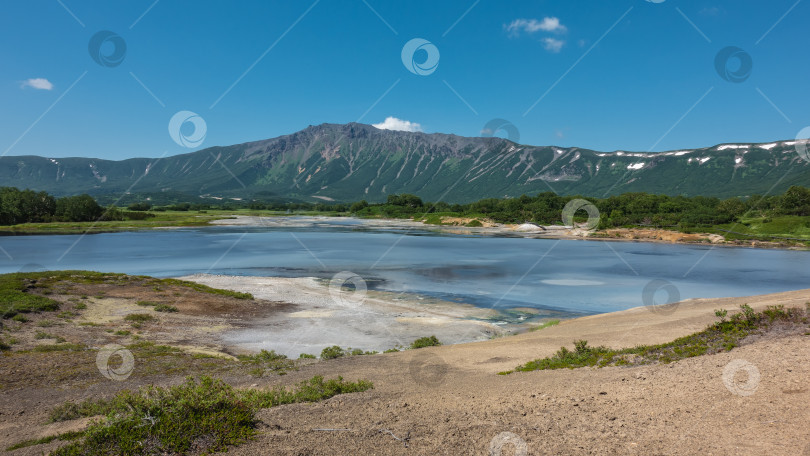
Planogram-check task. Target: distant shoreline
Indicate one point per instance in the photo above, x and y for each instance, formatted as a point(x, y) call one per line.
point(506, 230)
point(450, 225)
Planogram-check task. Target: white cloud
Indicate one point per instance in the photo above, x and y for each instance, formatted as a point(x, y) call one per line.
point(553, 44)
point(548, 24)
point(38, 83)
point(392, 123)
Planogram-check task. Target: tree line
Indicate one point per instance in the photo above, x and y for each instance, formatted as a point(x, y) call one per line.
point(27, 206)
point(628, 209)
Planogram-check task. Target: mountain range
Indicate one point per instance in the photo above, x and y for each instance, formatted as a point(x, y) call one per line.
point(350, 162)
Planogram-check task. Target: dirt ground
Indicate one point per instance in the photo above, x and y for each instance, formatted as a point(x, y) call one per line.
point(450, 400)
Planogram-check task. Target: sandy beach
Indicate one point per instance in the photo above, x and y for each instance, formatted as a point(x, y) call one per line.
point(449, 400)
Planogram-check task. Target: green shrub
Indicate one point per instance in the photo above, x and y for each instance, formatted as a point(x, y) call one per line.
point(268, 360)
point(332, 352)
point(306, 356)
point(428, 341)
point(775, 313)
point(80, 306)
point(20, 318)
point(196, 417)
point(146, 303)
point(200, 417)
point(165, 308)
point(432, 220)
point(723, 335)
point(474, 224)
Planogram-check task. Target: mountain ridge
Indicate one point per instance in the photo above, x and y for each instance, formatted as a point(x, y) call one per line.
point(350, 162)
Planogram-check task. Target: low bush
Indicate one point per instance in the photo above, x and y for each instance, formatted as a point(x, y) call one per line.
point(428, 341)
point(723, 335)
point(165, 308)
point(268, 361)
point(195, 417)
point(15, 298)
point(332, 352)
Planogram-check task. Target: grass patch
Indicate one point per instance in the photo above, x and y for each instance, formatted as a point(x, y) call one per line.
point(48, 439)
point(428, 341)
point(268, 361)
point(80, 306)
point(122, 332)
point(20, 318)
point(18, 290)
point(145, 348)
point(206, 289)
point(198, 416)
point(58, 347)
point(43, 335)
point(15, 298)
point(165, 308)
point(723, 335)
point(146, 303)
point(546, 325)
point(139, 318)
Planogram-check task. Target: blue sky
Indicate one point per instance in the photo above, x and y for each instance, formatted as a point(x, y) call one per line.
point(631, 75)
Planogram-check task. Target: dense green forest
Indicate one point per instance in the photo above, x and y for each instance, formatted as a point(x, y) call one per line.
point(28, 206)
point(629, 209)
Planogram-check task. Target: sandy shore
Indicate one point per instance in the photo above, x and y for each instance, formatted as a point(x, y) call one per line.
point(449, 400)
point(322, 316)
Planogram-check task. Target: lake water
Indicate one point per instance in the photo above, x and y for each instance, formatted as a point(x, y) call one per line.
point(575, 277)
